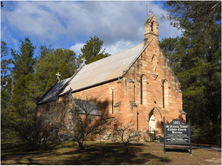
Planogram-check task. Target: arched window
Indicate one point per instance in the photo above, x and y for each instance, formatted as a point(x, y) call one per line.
point(141, 90)
point(151, 26)
point(112, 100)
point(154, 62)
point(165, 95)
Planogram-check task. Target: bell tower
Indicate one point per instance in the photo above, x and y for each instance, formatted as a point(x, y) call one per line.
point(151, 28)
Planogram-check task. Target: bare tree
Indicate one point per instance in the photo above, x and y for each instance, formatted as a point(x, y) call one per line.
point(73, 118)
point(124, 133)
point(85, 118)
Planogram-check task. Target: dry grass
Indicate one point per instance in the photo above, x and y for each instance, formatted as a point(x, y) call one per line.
point(108, 154)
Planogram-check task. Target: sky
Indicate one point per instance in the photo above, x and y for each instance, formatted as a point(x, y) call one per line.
point(69, 24)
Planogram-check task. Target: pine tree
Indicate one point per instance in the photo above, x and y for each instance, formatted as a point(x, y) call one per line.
point(22, 109)
point(92, 49)
point(5, 76)
point(43, 51)
point(23, 61)
point(51, 81)
point(64, 71)
point(47, 64)
point(200, 64)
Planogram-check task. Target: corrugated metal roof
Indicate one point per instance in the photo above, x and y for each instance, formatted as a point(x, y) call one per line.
point(104, 69)
point(53, 91)
point(97, 72)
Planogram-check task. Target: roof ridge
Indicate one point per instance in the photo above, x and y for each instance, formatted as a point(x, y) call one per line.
point(137, 56)
point(113, 54)
point(108, 72)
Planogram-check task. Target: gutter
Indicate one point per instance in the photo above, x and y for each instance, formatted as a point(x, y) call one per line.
point(113, 79)
point(110, 80)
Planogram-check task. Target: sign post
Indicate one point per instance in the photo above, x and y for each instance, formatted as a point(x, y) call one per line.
point(164, 134)
point(177, 132)
point(190, 138)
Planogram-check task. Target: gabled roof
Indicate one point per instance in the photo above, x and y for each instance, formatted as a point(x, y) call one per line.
point(53, 91)
point(98, 72)
point(105, 69)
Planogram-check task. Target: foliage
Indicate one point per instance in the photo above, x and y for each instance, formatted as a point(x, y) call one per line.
point(51, 81)
point(193, 16)
point(85, 119)
point(6, 80)
point(46, 64)
point(6, 94)
point(175, 50)
point(98, 57)
point(23, 61)
point(43, 51)
point(64, 71)
point(74, 119)
point(21, 113)
point(5, 64)
point(22, 116)
point(210, 134)
point(126, 134)
point(92, 50)
point(196, 60)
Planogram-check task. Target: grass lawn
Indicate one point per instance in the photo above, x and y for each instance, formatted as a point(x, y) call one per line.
point(96, 153)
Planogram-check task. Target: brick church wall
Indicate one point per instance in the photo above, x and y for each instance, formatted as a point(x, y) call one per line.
point(122, 98)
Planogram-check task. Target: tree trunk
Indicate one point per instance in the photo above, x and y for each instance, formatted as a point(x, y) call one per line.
point(81, 146)
point(127, 148)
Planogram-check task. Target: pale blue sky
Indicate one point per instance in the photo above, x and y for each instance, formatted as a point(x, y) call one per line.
point(69, 24)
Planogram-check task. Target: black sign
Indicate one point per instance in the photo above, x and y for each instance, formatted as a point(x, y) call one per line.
point(177, 132)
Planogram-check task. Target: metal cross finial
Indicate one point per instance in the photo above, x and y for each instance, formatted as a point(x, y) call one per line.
point(151, 12)
point(83, 60)
point(58, 75)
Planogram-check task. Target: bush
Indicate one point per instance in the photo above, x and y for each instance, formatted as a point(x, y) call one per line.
point(207, 135)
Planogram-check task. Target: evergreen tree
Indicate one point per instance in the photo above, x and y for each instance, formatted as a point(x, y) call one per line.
point(98, 57)
point(200, 63)
point(5, 64)
point(22, 105)
point(6, 92)
point(47, 64)
point(23, 61)
point(43, 51)
point(22, 98)
point(5, 76)
point(51, 81)
point(91, 49)
point(63, 71)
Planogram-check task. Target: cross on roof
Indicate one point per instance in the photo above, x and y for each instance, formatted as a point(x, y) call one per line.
point(58, 75)
point(151, 12)
point(83, 60)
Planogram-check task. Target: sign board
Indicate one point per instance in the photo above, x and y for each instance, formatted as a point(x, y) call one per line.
point(177, 132)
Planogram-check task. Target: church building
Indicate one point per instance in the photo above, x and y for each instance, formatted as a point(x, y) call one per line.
point(136, 84)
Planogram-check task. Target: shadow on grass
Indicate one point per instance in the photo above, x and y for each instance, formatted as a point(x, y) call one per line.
point(111, 154)
point(17, 152)
point(94, 154)
point(177, 150)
